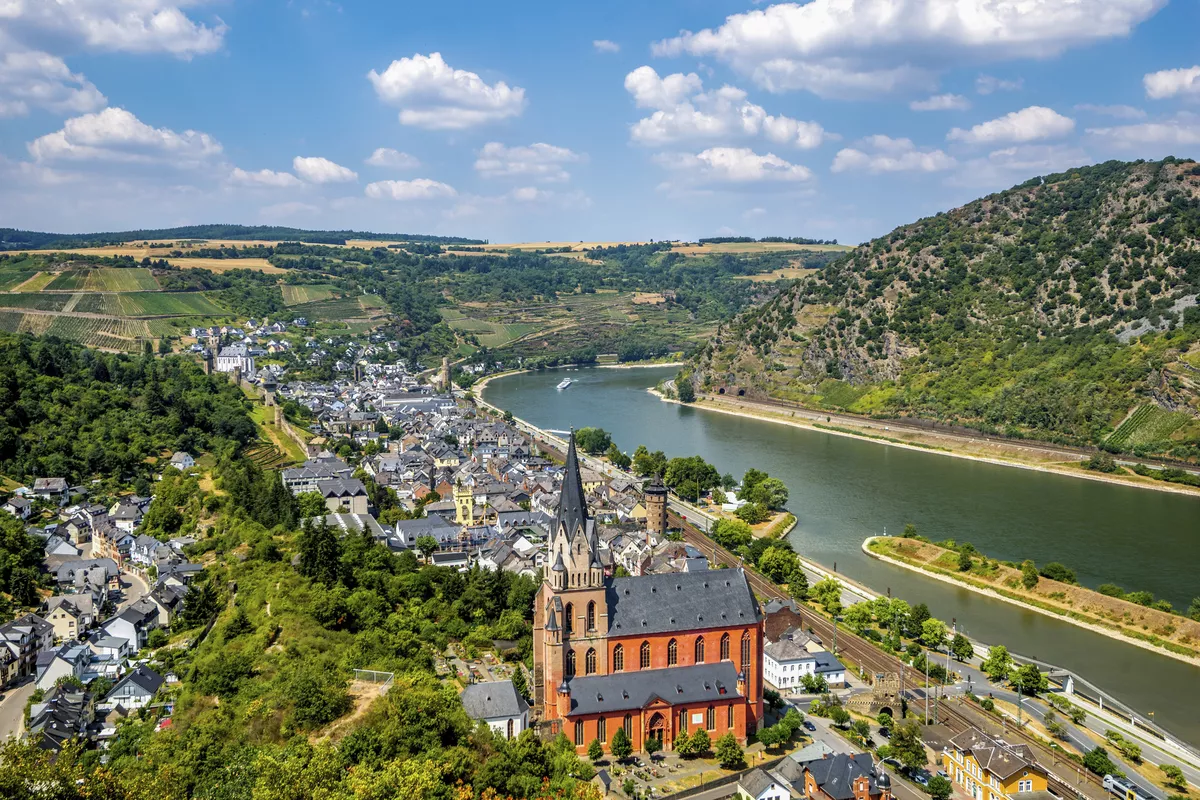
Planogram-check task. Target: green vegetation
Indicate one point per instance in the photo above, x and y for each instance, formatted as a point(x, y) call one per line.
point(1047, 311)
point(13, 239)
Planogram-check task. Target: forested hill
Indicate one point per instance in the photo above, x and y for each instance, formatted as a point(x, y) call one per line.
point(1053, 309)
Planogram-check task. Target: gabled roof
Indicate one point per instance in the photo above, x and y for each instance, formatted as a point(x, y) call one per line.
point(680, 601)
point(755, 782)
point(1000, 759)
point(627, 691)
point(836, 774)
point(142, 677)
point(493, 699)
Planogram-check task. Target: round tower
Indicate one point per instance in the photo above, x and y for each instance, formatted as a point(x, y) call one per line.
point(656, 507)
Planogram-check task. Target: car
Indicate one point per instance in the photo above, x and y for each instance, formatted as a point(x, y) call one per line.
point(885, 733)
point(921, 778)
point(808, 726)
point(893, 763)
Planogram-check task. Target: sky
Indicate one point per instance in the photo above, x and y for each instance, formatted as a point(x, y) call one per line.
point(563, 121)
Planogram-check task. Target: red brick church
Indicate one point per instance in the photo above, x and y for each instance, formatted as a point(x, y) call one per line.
point(655, 654)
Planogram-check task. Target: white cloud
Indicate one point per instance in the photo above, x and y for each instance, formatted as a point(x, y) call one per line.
point(684, 113)
point(1118, 112)
point(941, 102)
point(394, 159)
point(990, 84)
point(734, 165)
point(1181, 131)
point(416, 189)
point(433, 95)
point(263, 177)
point(127, 26)
point(31, 78)
point(1027, 125)
point(751, 213)
point(115, 135)
point(315, 169)
point(539, 161)
point(837, 48)
point(1172, 82)
point(605, 46)
point(880, 153)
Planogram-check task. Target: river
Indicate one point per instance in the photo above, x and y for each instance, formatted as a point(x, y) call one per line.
point(843, 490)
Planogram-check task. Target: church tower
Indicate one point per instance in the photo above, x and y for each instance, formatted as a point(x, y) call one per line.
point(571, 616)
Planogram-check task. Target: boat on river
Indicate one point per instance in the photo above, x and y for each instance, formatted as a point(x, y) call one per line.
point(565, 383)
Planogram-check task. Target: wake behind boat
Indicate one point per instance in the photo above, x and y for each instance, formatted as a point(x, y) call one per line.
point(565, 383)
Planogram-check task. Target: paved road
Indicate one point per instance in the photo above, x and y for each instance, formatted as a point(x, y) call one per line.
point(134, 588)
point(12, 709)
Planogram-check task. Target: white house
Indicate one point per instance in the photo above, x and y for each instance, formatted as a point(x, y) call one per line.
point(18, 506)
point(181, 461)
point(758, 784)
point(235, 356)
point(499, 704)
point(786, 662)
point(136, 689)
point(68, 661)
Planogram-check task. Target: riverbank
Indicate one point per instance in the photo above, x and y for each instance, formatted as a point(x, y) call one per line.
point(1023, 455)
point(1171, 630)
point(482, 383)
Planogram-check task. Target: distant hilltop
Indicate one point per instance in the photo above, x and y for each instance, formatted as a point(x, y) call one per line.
point(14, 239)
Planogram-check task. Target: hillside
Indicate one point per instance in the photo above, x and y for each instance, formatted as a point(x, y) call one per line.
point(1055, 310)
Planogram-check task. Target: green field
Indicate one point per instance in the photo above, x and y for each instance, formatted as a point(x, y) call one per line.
point(340, 309)
point(371, 302)
point(71, 280)
point(149, 304)
point(38, 282)
point(1147, 425)
point(36, 302)
point(489, 334)
point(295, 294)
point(12, 278)
point(132, 279)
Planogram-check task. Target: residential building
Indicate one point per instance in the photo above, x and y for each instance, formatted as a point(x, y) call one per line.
point(53, 490)
point(71, 615)
point(786, 662)
point(345, 496)
point(136, 689)
point(987, 768)
point(845, 777)
point(63, 715)
point(499, 704)
point(18, 506)
point(181, 461)
point(69, 661)
point(758, 784)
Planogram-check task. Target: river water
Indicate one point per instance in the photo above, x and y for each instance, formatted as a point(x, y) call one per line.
point(844, 489)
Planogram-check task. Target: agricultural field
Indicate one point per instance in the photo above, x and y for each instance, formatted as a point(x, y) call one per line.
point(340, 309)
point(490, 334)
point(145, 304)
point(295, 294)
point(226, 264)
point(107, 333)
point(755, 247)
point(372, 302)
point(12, 278)
point(34, 301)
point(38, 282)
point(1148, 424)
point(103, 279)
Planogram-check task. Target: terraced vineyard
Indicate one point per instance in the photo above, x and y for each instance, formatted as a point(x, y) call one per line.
point(1147, 425)
point(10, 279)
point(36, 301)
point(109, 333)
point(342, 308)
point(146, 304)
point(36, 283)
point(295, 294)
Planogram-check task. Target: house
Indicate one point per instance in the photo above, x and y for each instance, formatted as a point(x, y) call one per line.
point(52, 490)
point(987, 768)
point(181, 461)
point(758, 784)
point(21, 640)
point(63, 715)
point(18, 506)
point(68, 661)
point(125, 516)
point(133, 624)
point(344, 495)
point(141, 551)
point(446, 534)
point(235, 356)
point(499, 704)
point(70, 614)
point(307, 476)
point(57, 545)
point(168, 600)
point(786, 662)
point(845, 777)
point(136, 689)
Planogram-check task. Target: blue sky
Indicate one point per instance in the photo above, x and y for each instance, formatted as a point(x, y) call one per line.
point(565, 121)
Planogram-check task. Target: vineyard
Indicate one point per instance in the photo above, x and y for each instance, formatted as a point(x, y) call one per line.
point(12, 278)
point(34, 302)
point(104, 279)
point(296, 294)
point(108, 333)
point(1147, 425)
point(341, 309)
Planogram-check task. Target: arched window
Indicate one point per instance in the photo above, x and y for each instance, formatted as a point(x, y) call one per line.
point(589, 662)
point(591, 615)
point(570, 615)
point(579, 733)
point(628, 725)
point(746, 650)
point(619, 658)
point(710, 719)
point(683, 720)
point(602, 730)
point(645, 660)
point(699, 649)
point(510, 729)
point(672, 653)
point(725, 647)
point(570, 663)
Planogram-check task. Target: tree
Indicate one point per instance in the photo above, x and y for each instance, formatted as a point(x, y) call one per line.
point(798, 584)
point(1029, 679)
point(933, 633)
point(426, 545)
point(701, 742)
point(753, 513)
point(653, 745)
point(1099, 762)
point(1029, 575)
point(916, 620)
point(772, 736)
point(773, 700)
point(769, 492)
point(939, 788)
point(617, 458)
point(732, 534)
point(684, 388)
point(752, 478)
point(1174, 776)
point(907, 746)
point(312, 504)
point(1194, 609)
point(519, 683)
point(964, 561)
point(646, 463)
point(1053, 726)
point(998, 664)
point(320, 551)
point(840, 716)
point(814, 684)
point(729, 752)
point(593, 440)
point(859, 616)
point(828, 592)
point(1057, 572)
point(620, 745)
point(595, 750)
point(861, 728)
point(683, 745)
point(777, 563)
point(885, 721)
point(629, 787)
point(961, 647)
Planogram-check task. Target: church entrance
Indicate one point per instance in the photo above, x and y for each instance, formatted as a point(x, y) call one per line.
point(656, 728)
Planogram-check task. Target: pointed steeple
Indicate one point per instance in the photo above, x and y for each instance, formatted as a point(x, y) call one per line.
point(572, 505)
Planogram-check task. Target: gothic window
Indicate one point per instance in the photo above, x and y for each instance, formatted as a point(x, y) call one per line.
point(602, 729)
point(699, 649)
point(672, 654)
point(729, 717)
point(683, 720)
point(570, 663)
point(578, 733)
point(510, 729)
point(645, 662)
point(710, 719)
point(618, 658)
point(628, 725)
point(591, 615)
point(725, 647)
point(570, 615)
point(746, 651)
point(589, 662)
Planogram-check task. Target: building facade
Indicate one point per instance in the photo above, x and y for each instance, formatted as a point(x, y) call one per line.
point(655, 654)
point(989, 769)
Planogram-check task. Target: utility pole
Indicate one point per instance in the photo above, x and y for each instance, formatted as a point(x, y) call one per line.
point(926, 690)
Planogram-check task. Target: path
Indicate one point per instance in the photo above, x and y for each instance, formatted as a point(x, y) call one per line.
point(74, 301)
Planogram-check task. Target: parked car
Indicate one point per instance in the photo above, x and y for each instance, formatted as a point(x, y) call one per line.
point(885, 733)
point(808, 726)
point(921, 778)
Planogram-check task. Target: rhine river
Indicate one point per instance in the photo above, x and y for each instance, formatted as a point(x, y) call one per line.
point(843, 490)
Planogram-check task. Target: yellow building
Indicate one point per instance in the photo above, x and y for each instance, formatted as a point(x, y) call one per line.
point(990, 769)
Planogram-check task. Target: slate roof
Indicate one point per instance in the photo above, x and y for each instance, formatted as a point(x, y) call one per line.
point(755, 782)
point(1001, 760)
point(493, 699)
point(836, 774)
point(572, 505)
point(787, 650)
point(143, 677)
point(626, 691)
point(342, 487)
point(681, 601)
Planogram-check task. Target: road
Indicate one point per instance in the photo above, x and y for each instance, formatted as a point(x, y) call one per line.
point(12, 709)
point(133, 588)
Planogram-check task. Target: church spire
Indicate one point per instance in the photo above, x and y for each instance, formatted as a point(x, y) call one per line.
point(572, 505)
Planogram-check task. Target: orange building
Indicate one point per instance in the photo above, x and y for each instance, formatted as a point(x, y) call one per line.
point(654, 654)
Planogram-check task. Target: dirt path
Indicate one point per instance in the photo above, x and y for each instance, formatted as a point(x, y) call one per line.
point(74, 301)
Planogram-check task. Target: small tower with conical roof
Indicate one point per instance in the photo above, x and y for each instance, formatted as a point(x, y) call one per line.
point(656, 508)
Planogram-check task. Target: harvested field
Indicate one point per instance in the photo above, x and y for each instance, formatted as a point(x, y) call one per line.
point(754, 247)
point(226, 264)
